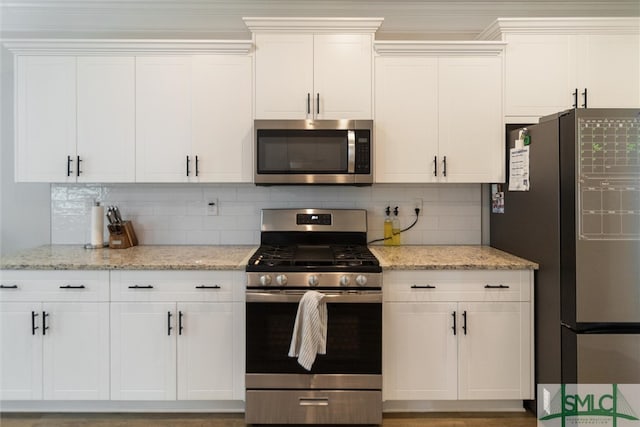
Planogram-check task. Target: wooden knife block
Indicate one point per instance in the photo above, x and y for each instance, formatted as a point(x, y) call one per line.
point(122, 236)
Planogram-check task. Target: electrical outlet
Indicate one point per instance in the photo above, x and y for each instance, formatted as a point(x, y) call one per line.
point(417, 204)
point(212, 207)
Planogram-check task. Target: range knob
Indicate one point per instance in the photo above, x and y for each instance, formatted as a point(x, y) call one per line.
point(361, 280)
point(265, 280)
point(345, 280)
point(313, 280)
point(281, 279)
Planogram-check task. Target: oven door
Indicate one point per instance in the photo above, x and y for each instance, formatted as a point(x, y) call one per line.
point(354, 334)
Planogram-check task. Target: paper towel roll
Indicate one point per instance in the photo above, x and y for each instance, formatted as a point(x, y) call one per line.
point(97, 225)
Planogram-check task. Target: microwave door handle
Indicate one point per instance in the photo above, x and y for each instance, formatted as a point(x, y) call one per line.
point(351, 151)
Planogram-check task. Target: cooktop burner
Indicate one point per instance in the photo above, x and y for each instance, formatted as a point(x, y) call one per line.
point(309, 257)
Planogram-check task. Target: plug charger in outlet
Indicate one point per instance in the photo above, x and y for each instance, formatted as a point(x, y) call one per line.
point(212, 207)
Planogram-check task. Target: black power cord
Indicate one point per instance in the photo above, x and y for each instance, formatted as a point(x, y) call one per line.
point(417, 210)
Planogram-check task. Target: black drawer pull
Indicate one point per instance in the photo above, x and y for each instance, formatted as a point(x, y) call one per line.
point(72, 287)
point(180, 327)
point(34, 328)
point(169, 328)
point(423, 287)
point(496, 286)
point(208, 287)
point(8, 286)
point(141, 287)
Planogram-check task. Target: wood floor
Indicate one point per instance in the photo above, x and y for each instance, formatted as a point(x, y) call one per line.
point(483, 419)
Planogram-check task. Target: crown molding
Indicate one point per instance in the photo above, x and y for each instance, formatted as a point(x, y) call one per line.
point(313, 25)
point(125, 46)
point(438, 48)
point(501, 26)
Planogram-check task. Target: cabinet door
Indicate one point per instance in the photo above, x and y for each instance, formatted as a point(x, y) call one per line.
point(21, 356)
point(538, 74)
point(207, 363)
point(406, 123)
point(143, 351)
point(342, 76)
point(495, 351)
point(222, 119)
point(163, 118)
point(45, 118)
point(76, 351)
point(471, 131)
point(609, 67)
point(106, 119)
point(420, 351)
point(284, 76)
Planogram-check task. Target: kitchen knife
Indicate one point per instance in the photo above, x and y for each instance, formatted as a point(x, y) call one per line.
point(118, 217)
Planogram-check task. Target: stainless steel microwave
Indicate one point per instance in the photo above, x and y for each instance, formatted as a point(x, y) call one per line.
point(313, 152)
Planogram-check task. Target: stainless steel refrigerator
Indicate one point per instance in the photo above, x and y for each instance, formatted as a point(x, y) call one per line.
point(580, 221)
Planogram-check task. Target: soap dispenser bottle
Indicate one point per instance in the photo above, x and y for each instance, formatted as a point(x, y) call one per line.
point(395, 228)
point(388, 228)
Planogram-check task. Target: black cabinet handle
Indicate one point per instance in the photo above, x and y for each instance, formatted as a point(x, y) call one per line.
point(575, 98)
point(308, 103)
point(584, 96)
point(34, 328)
point(454, 323)
point(435, 165)
point(141, 287)
point(464, 324)
point(69, 161)
point(208, 287)
point(78, 171)
point(197, 171)
point(187, 165)
point(44, 322)
point(496, 286)
point(180, 328)
point(72, 287)
point(8, 286)
point(318, 104)
point(169, 328)
point(444, 167)
point(422, 287)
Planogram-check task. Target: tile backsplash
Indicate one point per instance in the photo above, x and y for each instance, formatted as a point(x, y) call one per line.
point(164, 214)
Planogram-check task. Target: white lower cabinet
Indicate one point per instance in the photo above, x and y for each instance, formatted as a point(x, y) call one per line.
point(177, 335)
point(457, 335)
point(54, 335)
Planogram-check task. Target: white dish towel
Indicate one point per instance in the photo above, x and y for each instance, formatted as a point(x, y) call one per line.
point(310, 330)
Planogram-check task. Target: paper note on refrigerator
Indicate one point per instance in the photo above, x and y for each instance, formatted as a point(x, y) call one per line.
point(519, 169)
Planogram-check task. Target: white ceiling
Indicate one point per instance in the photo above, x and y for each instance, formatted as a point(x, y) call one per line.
point(198, 19)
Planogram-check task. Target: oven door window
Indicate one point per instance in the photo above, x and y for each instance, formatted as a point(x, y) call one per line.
point(354, 339)
point(302, 151)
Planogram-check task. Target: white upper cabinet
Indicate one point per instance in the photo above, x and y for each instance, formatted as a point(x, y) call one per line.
point(316, 68)
point(556, 64)
point(406, 123)
point(163, 118)
point(193, 119)
point(106, 119)
point(45, 119)
point(438, 112)
point(222, 124)
point(183, 114)
point(75, 119)
point(284, 76)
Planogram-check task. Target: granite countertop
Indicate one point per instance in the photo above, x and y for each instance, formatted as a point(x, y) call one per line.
point(235, 257)
point(448, 258)
point(75, 257)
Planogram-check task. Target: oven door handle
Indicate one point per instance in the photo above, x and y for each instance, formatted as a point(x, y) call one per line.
point(345, 297)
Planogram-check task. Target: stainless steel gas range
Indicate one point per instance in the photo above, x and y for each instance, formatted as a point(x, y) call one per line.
point(322, 250)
